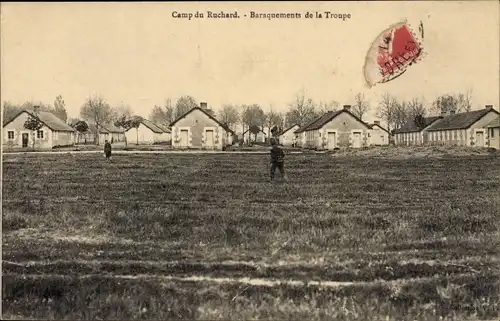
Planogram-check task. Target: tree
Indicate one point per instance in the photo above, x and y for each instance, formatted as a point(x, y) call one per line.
point(327, 106)
point(301, 111)
point(98, 112)
point(60, 108)
point(121, 111)
point(33, 123)
point(10, 110)
point(273, 119)
point(135, 122)
point(72, 121)
point(163, 115)
point(121, 115)
point(229, 115)
point(275, 131)
point(445, 104)
point(416, 108)
point(386, 110)
point(253, 115)
point(464, 101)
point(419, 121)
point(361, 105)
point(184, 104)
point(254, 129)
point(400, 114)
point(81, 127)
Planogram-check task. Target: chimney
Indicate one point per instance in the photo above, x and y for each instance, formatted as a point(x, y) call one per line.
point(488, 106)
point(452, 112)
point(347, 107)
point(203, 105)
point(443, 113)
point(377, 122)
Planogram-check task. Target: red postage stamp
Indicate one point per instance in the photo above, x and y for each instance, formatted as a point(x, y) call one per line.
point(392, 52)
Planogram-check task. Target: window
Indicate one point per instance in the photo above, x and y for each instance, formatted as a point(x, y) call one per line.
point(492, 135)
point(39, 134)
point(10, 134)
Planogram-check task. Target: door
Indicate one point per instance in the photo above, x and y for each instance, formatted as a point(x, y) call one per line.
point(479, 139)
point(25, 138)
point(331, 141)
point(209, 136)
point(184, 138)
point(356, 140)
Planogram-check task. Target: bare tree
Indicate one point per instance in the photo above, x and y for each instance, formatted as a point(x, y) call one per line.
point(273, 119)
point(386, 109)
point(163, 115)
point(10, 109)
point(302, 110)
point(228, 115)
point(253, 116)
point(416, 107)
point(97, 112)
point(464, 101)
point(121, 112)
point(60, 108)
point(184, 104)
point(445, 104)
point(361, 105)
point(326, 106)
point(401, 113)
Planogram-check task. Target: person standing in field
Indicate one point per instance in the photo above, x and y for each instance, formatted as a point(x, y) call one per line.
point(107, 150)
point(277, 159)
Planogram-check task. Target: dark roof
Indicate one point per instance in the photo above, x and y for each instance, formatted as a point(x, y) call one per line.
point(93, 129)
point(48, 119)
point(495, 123)
point(461, 120)
point(203, 111)
point(113, 129)
point(226, 128)
point(327, 117)
point(302, 128)
point(261, 130)
point(154, 128)
point(164, 128)
point(373, 125)
point(411, 127)
point(284, 131)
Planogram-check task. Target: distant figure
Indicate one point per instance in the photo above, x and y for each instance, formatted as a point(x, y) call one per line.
point(107, 150)
point(277, 159)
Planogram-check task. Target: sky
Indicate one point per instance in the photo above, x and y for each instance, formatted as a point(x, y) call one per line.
point(137, 54)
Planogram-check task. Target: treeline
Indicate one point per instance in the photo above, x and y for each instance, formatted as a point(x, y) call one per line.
point(96, 111)
point(397, 112)
point(254, 116)
point(58, 108)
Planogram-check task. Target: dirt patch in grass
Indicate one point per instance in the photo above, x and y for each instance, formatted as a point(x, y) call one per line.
point(102, 297)
point(408, 152)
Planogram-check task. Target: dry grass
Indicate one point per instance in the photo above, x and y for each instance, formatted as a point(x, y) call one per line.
point(349, 219)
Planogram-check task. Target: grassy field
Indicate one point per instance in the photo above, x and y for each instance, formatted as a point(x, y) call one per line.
point(208, 237)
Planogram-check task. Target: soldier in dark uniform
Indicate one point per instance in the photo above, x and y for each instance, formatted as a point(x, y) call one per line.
point(107, 150)
point(277, 159)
